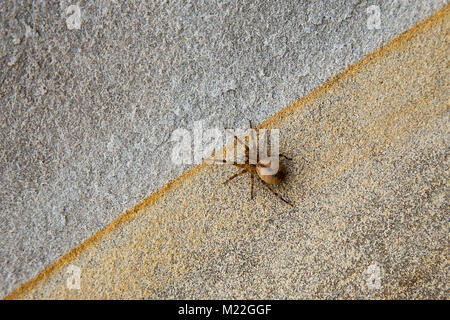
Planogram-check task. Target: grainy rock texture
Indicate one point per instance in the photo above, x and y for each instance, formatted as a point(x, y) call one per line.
point(369, 184)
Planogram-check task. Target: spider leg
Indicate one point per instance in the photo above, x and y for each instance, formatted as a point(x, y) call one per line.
point(236, 138)
point(252, 176)
point(282, 155)
point(240, 166)
point(215, 160)
point(276, 194)
point(236, 175)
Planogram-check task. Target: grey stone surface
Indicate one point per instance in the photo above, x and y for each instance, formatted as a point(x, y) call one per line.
point(86, 115)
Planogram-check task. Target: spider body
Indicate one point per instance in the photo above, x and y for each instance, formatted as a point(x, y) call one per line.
point(262, 169)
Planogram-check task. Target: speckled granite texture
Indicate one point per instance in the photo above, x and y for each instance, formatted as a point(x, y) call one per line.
point(369, 184)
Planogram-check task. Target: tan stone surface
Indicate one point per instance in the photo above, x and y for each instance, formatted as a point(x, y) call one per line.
point(369, 187)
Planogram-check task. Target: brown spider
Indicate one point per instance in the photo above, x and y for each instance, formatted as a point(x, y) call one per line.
point(260, 169)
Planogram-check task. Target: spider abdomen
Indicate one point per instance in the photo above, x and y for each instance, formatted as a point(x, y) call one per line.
point(268, 173)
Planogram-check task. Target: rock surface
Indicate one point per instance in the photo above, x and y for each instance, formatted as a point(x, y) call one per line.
point(368, 181)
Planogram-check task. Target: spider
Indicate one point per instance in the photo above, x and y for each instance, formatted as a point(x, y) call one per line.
point(260, 169)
